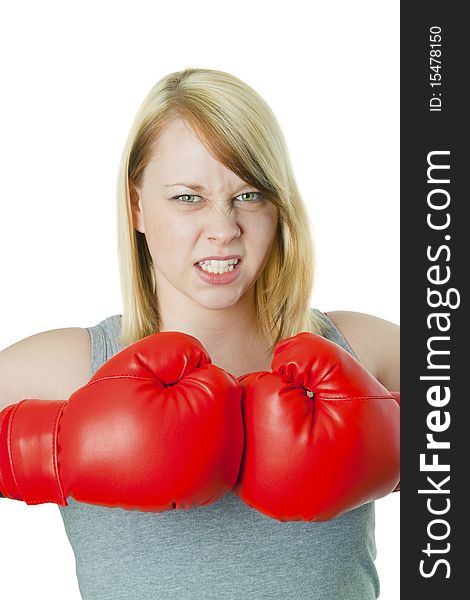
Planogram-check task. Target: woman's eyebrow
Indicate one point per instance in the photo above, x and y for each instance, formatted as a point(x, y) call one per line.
point(193, 186)
point(201, 188)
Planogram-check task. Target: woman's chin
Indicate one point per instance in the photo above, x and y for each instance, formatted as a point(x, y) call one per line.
point(218, 300)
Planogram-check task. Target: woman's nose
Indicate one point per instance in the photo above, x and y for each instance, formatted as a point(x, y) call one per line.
point(222, 226)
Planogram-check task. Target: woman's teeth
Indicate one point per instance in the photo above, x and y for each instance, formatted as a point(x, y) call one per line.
point(218, 266)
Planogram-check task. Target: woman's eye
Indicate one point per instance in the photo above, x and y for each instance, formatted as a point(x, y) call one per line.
point(186, 198)
point(250, 196)
point(246, 197)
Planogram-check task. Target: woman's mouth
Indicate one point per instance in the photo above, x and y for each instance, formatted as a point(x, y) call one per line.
point(218, 271)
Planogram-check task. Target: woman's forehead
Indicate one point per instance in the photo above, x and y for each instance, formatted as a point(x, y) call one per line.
point(180, 158)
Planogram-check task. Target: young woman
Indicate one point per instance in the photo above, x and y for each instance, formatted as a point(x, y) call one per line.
point(214, 241)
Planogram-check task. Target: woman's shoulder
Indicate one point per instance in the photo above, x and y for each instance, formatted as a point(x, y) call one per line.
point(375, 341)
point(105, 339)
point(56, 362)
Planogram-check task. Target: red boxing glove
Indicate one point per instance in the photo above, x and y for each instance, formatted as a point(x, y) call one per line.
point(396, 395)
point(157, 427)
point(314, 458)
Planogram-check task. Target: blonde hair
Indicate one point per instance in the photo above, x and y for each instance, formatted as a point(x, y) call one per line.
point(239, 129)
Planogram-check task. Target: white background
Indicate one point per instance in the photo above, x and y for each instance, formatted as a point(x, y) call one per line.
point(73, 77)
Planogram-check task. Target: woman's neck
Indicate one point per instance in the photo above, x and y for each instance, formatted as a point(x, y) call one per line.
point(229, 335)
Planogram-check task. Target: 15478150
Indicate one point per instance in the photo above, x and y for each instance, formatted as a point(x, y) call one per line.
point(435, 65)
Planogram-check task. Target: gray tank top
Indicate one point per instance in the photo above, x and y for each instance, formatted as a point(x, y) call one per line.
point(224, 551)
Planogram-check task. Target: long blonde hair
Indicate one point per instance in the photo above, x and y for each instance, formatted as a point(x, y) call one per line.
point(239, 129)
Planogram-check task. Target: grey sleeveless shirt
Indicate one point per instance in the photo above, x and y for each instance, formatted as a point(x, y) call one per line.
point(224, 551)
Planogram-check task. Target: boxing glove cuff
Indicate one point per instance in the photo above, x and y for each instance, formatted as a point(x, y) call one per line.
point(28, 452)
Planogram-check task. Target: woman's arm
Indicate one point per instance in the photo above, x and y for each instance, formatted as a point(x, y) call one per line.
point(45, 366)
point(376, 343)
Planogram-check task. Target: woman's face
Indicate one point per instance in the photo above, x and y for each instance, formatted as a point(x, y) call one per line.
point(191, 209)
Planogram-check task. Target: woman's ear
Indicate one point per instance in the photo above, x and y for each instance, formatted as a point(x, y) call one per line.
point(136, 207)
